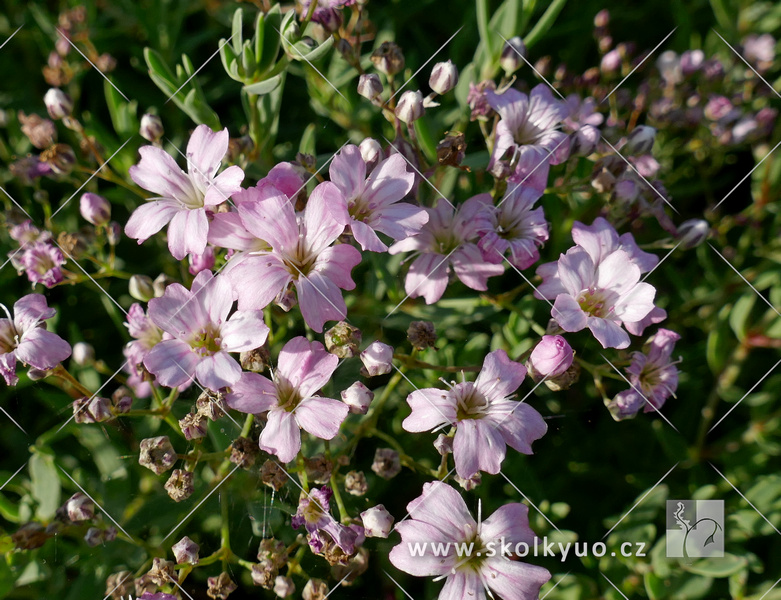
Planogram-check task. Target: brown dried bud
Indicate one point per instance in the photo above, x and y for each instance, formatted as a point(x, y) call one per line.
point(180, 485)
point(73, 244)
point(211, 405)
point(343, 340)
point(355, 483)
point(452, 149)
point(257, 360)
point(318, 469)
point(157, 454)
point(29, 536)
point(273, 475)
point(220, 587)
point(388, 58)
point(119, 585)
point(41, 132)
point(565, 380)
point(284, 587)
point(421, 335)
point(162, 571)
point(263, 574)
point(193, 426)
point(144, 585)
point(60, 157)
point(315, 589)
point(386, 463)
point(354, 568)
point(244, 451)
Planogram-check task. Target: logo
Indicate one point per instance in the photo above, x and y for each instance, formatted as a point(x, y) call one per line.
point(695, 528)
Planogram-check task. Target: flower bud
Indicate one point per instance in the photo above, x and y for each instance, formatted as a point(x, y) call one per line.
point(342, 340)
point(318, 469)
point(550, 357)
point(119, 585)
point(692, 233)
point(113, 233)
point(141, 287)
point(421, 334)
point(602, 18)
point(79, 508)
point(371, 152)
point(151, 128)
point(34, 374)
point(388, 58)
point(355, 483)
point(284, 586)
point(692, 61)
point(220, 587)
point(29, 536)
point(315, 589)
point(202, 262)
point(513, 53)
point(180, 485)
point(121, 400)
point(603, 181)
point(58, 103)
point(186, 551)
point(444, 77)
point(611, 62)
point(377, 521)
point(377, 359)
point(60, 158)
point(410, 107)
point(641, 140)
point(369, 86)
point(91, 410)
point(41, 132)
point(565, 380)
point(193, 426)
point(95, 209)
point(244, 452)
point(444, 444)
point(387, 463)
point(469, 483)
point(93, 537)
point(157, 454)
point(83, 354)
point(161, 282)
point(162, 571)
point(358, 397)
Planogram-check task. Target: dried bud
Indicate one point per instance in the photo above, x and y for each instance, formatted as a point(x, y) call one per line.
point(162, 572)
point(141, 288)
point(565, 380)
point(161, 282)
point(452, 149)
point(193, 426)
point(34, 374)
point(93, 537)
point(410, 107)
point(371, 152)
point(388, 58)
point(513, 53)
point(58, 103)
point(121, 400)
point(83, 354)
point(284, 586)
point(343, 340)
point(355, 567)
point(640, 141)
point(79, 508)
point(444, 77)
point(444, 444)
point(315, 589)
point(144, 585)
point(186, 551)
point(377, 521)
point(263, 574)
point(272, 551)
point(119, 585)
point(257, 360)
point(41, 132)
point(273, 475)
point(551, 357)
point(211, 405)
point(157, 454)
point(180, 485)
point(95, 209)
point(377, 359)
point(692, 233)
point(113, 233)
point(91, 410)
point(369, 86)
point(29, 536)
point(358, 397)
point(603, 181)
point(151, 128)
point(318, 469)
point(421, 334)
point(244, 452)
point(355, 483)
point(73, 243)
point(106, 63)
point(220, 587)
point(470, 483)
point(60, 157)
point(386, 463)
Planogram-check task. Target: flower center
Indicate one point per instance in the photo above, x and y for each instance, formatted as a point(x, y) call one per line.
point(527, 133)
point(471, 403)
point(300, 262)
point(593, 302)
point(287, 395)
point(359, 209)
point(207, 341)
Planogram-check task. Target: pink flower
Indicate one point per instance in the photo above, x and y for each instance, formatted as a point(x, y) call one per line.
point(41, 262)
point(301, 253)
point(487, 420)
point(291, 398)
point(146, 336)
point(24, 337)
point(448, 240)
point(517, 227)
point(183, 197)
point(528, 122)
point(440, 516)
point(654, 377)
point(202, 334)
point(373, 203)
point(313, 513)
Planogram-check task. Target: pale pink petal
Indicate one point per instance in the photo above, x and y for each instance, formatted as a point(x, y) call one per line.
point(430, 409)
point(511, 522)
point(576, 270)
point(518, 423)
point(366, 237)
point(258, 279)
point(42, 349)
point(286, 178)
point(150, 218)
point(244, 331)
point(348, 171)
point(471, 269)
point(269, 215)
point(608, 333)
point(218, 371)
point(442, 507)
point(321, 417)
point(427, 277)
point(173, 363)
point(599, 239)
point(336, 263)
point(617, 273)
point(645, 260)
point(8, 368)
point(306, 365)
point(427, 565)
point(187, 233)
point(325, 217)
point(281, 435)
point(222, 187)
point(158, 172)
point(226, 230)
point(636, 303)
point(463, 585)
point(177, 312)
point(503, 142)
point(399, 220)
point(30, 310)
point(215, 295)
point(500, 376)
point(206, 149)
point(568, 313)
point(513, 580)
point(477, 446)
point(253, 393)
point(414, 242)
point(389, 182)
point(320, 300)
point(551, 285)
point(511, 105)
point(657, 315)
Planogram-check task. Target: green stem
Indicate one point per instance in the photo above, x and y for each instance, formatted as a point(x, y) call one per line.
point(343, 515)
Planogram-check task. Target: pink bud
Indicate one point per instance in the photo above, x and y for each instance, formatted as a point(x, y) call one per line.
point(551, 357)
point(95, 209)
point(358, 397)
point(202, 262)
point(377, 521)
point(377, 359)
point(410, 107)
point(58, 103)
point(444, 77)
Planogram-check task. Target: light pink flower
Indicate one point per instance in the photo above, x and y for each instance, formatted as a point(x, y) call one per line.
point(517, 227)
point(448, 240)
point(440, 516)
point(301, 253)
point(373, 203)
point(314, 514)
point(291, 398)
point(653, 375)
point(183, 197)
point(41, 262)
point(486, 418)
point(146, 335)
point(23, 337)
point(202, 334)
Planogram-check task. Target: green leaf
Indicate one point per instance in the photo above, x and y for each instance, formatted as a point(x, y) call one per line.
point(716, 567)
point(258, 39)
point(45, 484)
point(654, 586)
point(486, 36)
point(123, 113)
point(545, 23)
point(248, 60)
point(158, 66)
point(229, 60)
point(263, 87)
point(271, 23)
point(237, 37)
point(740, 313)
point(6, 578)
point(307, 145)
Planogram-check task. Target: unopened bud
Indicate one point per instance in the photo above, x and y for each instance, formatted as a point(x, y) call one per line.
point(551, 357)
point(444, 77)
point(444, 444)
point(410, 107)
point(369, 86)
point(60, 157)
point(371, 152)
point(180, 485)
point(113, 233)
point(151, 128)
point(387, 463)
point(284, 586)
point(388, 58)
point(512, 53)
point(91, 410)
point(692, 233)
point(565, 380)
point(355, 483)
point(161, 282)
point(79, 508)
point(58, 103)
point(83, 354)
point(193, 426)
point(157, 454)
point(141, 287)
point(358, 397)
point(95, 209)
point(220, 587)
point(202, 262)
point(377, 521)
point(602, 18)
point(343, 340)
point(377, 359)
point(121, 400)
point(315, 589)
point(611, 62)
point(640, 141)
point(186, 551)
